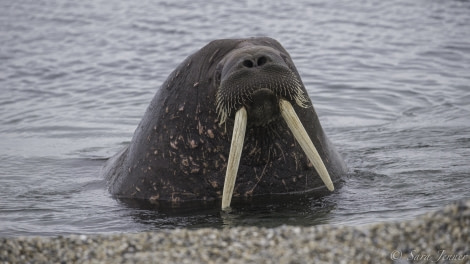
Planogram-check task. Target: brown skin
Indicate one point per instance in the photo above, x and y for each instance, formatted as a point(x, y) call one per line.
point(179, 150)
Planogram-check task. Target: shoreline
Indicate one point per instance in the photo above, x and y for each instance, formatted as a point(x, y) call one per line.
point(441, 236)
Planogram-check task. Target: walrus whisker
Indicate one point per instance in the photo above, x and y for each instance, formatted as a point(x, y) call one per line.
point(298, 130)
point(231, 92)
point(236, 147)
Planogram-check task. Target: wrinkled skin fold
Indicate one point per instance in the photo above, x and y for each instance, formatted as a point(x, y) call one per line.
point(189, 137)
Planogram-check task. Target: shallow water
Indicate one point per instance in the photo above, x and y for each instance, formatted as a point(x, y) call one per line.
point(390, 81)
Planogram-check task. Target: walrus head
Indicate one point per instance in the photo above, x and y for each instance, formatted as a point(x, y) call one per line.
point(257, 86)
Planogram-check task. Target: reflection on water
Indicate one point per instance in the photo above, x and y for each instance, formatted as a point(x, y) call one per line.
point(388, 79)
point(267, 211)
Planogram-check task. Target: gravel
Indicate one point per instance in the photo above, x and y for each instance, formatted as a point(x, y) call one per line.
point(438, 237)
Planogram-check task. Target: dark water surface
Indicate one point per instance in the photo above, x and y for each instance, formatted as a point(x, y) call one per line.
point(390, 81)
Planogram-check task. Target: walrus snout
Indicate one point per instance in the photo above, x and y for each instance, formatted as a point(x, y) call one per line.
point(256, 77)
point(250, 60)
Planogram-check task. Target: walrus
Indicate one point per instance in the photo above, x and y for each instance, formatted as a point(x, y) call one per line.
point(232, 120)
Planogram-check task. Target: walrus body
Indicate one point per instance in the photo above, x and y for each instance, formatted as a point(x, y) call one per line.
point(180, 149)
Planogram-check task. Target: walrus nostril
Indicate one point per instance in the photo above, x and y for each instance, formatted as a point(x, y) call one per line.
point(248, 63)
point(262, 60)
point(256, 62)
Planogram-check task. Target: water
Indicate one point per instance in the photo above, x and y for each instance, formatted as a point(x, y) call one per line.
point(390, 81)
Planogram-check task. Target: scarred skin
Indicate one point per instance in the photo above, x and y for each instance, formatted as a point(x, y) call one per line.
point(180, 149)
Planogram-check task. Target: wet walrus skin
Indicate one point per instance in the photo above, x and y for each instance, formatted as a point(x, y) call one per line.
point(180, 149)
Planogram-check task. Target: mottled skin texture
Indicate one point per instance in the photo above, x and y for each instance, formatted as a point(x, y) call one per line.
point(179, 150)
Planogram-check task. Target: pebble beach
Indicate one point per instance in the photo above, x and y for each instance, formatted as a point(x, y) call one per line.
point(441, 236)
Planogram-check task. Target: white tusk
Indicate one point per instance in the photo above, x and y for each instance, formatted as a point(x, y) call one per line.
point(236, 148)
point(294, 124)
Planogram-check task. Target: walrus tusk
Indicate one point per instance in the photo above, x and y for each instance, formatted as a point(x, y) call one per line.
point(294, 124)
point(236, 148)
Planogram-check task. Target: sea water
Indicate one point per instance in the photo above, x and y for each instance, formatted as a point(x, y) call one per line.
point(390, 81)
